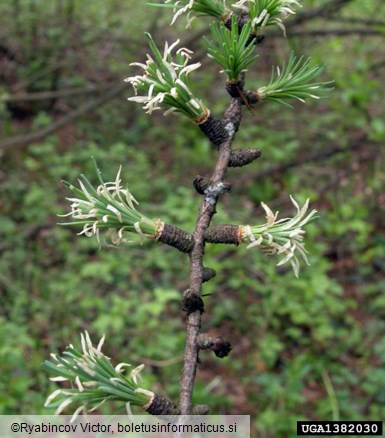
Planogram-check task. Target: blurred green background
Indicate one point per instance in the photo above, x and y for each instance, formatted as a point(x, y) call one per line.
point(307, 348)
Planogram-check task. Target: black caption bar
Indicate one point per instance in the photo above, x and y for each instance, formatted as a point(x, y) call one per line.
point(344, 428)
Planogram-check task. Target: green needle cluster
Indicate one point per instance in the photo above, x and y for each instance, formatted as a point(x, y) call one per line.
point(165, 82)
point(108, 207)
point(283, 236)
point(93, 379)
point(296, 80)
point(231, 49)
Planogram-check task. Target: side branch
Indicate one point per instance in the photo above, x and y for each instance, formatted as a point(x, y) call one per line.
point(214, 129)
point(160, 406)
point(184, 242)
point(227, 234)
point(243, 157)
point(174, 236)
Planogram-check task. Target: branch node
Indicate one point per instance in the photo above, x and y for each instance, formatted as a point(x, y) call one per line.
point(232, 116)
point(201, 183)
point(192, 301)
point(234, 88)
point(230, 128)
point(214, 192)
point(251, 97)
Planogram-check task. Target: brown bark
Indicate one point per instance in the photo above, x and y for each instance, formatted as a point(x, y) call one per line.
point(228, 234)
point(207, 211)
point(184, 242)
point(174, 236)
point(161, 406)
point(214, 130)
point(242, 157)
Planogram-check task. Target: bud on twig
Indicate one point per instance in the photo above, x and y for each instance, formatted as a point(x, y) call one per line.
point(218, 345)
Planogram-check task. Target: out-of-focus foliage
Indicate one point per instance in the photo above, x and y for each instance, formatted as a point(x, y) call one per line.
point(307, 348)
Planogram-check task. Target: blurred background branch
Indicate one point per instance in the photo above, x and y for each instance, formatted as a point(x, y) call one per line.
point(86, 108)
